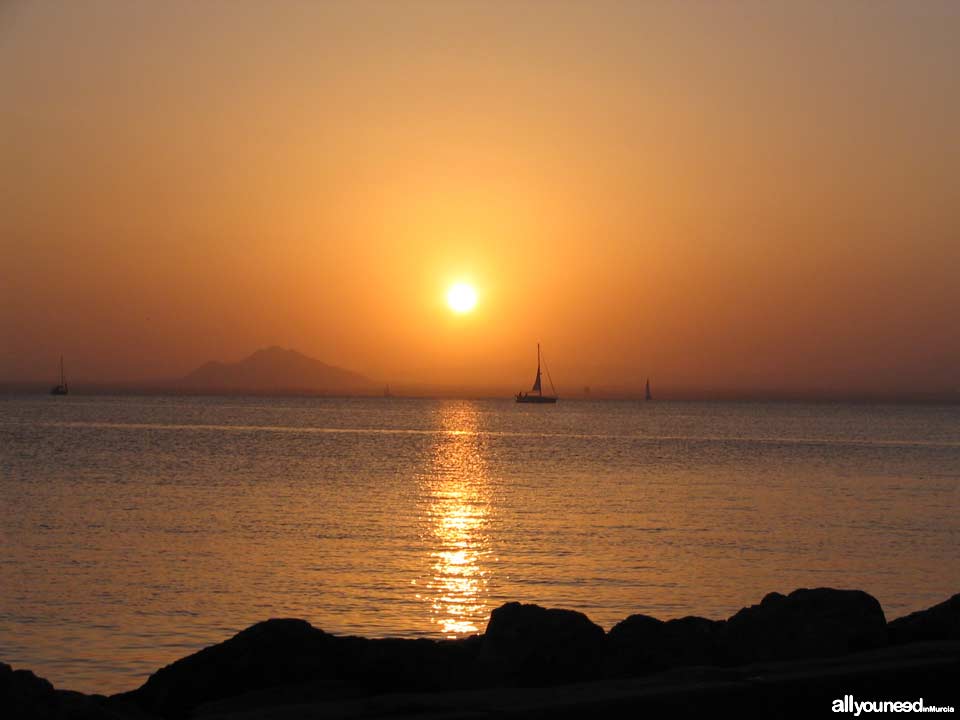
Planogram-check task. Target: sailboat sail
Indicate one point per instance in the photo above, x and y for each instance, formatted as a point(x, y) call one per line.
point(536, 393)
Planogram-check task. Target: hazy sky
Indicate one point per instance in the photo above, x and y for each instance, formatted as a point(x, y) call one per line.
point(723, 195)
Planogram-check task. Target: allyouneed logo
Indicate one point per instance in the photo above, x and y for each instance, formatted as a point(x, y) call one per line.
point(849, 705)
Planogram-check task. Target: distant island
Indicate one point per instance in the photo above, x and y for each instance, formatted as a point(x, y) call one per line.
point(275, 369)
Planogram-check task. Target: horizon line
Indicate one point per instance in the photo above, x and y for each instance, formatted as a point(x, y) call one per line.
point(484, 392)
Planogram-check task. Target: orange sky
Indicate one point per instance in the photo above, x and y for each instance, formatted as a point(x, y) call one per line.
point(718, 195)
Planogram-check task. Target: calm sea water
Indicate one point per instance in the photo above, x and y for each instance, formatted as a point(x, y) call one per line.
point(138, 529)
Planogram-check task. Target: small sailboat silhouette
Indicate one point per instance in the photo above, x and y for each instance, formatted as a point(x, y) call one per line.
point(60, 389)
point(647, 395)
point(539, 397)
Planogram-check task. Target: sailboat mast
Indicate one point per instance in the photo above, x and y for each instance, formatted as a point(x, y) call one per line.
point(539, 389)
point(61, 369)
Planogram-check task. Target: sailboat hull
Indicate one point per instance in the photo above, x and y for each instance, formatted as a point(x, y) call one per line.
point(536, 399)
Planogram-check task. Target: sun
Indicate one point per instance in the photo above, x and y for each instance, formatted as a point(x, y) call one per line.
point(461, 298)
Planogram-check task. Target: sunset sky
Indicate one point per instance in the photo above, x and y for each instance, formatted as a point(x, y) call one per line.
point(749, 195)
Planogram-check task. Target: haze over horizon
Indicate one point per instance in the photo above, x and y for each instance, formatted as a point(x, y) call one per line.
point(732, 196)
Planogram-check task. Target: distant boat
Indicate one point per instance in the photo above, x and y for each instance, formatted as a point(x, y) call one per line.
point(647, 395)
point(539, 397)
point(60, 389)
point(386, 392)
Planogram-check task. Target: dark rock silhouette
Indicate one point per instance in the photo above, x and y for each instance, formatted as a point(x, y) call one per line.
point(395, 664)
point(529, 644)
point(25, 696)
point(275, 369)
point(941, 622)
point(286, 653)
point(642, 644)
point(268, 654)
point(805, 623)
point(809, 648)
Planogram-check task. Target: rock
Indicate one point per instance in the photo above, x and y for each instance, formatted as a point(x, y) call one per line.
point(531, 645)
point(365, 668)
point(286, 661)
point(805, 623)
point(25, 696)
point(268, 654)
point(406, 664)
point(642, 644)
point(940, 622)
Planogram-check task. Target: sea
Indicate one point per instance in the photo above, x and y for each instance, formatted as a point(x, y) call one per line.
point(136, 530)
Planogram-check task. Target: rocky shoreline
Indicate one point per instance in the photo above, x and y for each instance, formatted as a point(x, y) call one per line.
point(789, 656)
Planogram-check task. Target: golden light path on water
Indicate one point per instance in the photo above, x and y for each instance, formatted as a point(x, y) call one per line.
point(456, 497)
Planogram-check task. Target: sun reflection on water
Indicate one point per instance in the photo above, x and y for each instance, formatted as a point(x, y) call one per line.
point(456, 506)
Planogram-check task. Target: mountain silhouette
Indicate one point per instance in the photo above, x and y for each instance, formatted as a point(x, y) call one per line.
point(276, 369)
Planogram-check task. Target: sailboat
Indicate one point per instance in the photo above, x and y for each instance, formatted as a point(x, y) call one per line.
point(60, 389)
point(647, 395)
point(539, 397)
